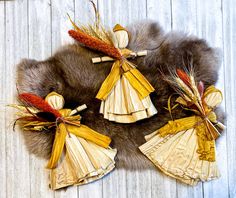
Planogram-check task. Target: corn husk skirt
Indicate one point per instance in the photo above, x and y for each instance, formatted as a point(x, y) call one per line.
point(83, 162)
point(176, 155)
point(124, 105)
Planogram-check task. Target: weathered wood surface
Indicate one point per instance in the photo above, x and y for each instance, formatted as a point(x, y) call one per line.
point(36, 28)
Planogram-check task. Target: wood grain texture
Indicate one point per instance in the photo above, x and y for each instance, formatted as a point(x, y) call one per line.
point(16, 48)
point(184, 19)
point(40, 47)
point(229, 40)
point(3, 174)
point(35, 29)
point(210, 28)
point(161, 11)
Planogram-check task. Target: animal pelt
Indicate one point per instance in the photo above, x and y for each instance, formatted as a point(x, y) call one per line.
point(71, 73)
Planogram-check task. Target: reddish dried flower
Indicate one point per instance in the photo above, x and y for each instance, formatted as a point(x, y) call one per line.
point(200, 88)
point(95, 44)
point(39, 103)
point(183, 76)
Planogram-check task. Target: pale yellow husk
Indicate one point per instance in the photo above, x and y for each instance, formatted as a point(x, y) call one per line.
point(176, 155)
point(83, 162)
point(124, 105)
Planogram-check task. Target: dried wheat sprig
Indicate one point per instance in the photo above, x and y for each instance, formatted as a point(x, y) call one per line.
point(187, 91)
point(194, 88)
point(197, 94)
point(184, 84)
point(95, 30)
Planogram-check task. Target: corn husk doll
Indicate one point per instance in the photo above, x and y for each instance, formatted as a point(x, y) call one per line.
point(185, 148)
point(125, 92)
point(79, 154)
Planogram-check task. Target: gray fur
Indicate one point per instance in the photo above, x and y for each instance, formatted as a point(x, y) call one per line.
point(71, 73)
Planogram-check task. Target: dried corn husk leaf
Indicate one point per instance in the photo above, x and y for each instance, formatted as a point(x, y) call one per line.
point(23, 109)
point(213, 97)
point(58, 145)
point(87, 133)
point(181, 101)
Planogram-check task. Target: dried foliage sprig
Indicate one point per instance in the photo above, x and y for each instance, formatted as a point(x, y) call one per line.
point(191, 96)
point(95, 36)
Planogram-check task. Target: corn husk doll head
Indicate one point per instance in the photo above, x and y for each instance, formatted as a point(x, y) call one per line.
point(121, 36)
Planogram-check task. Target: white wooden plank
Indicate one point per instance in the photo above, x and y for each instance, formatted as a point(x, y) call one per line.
point(61, 23)
point(39, 29)
point(39, 48)
point(229, 32)
point(184, 16)
point(8, 93)
point(132, 189)
point(184, 19)
point(162, 185)
point(91, 190)
point(16, 48)
point(209, 26)
point(60, 26)
point(113, 12)
point(111, 184)
point(137, 10)
point(3, 185)
point(125, 12)
point(84, 14)
point(121, 11)
point(160, 11)
point(137, 183)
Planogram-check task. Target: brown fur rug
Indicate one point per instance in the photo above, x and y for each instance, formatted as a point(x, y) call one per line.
point(71, 73)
